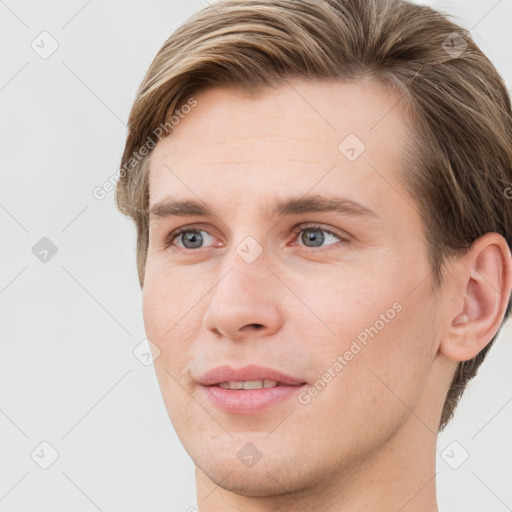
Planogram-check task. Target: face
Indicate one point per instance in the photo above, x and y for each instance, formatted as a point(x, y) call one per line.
point(337, 299)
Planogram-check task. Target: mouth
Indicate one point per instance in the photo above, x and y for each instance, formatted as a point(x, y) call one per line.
point(250, 384)
point(249, 390)
point(252, 376)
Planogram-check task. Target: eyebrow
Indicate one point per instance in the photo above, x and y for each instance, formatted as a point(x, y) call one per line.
point(171, 207)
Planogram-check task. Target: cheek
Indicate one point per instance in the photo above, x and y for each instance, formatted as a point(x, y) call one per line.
point(379, 381)
point(170, 321)
point(382, 332)
point(167, 297)
point(343, 302)
point(169, 328)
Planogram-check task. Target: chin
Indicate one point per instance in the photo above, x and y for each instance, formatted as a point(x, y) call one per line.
point(275, 474)
point(252, 482)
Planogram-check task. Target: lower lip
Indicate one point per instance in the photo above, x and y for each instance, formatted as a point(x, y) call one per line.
point(249, 401)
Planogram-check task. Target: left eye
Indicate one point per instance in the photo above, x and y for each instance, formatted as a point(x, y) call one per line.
point(191, 238)
point(313, 234)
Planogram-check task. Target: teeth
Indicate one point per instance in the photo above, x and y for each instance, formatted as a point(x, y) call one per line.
point(248, 384)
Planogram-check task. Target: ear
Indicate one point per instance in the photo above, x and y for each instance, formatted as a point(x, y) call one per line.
point(482, 285)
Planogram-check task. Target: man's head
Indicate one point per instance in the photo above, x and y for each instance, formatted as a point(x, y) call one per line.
point(384, 104)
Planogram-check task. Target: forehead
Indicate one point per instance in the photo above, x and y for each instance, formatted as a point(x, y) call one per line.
point(301, 136)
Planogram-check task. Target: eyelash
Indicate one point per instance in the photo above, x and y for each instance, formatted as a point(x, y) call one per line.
point(296, 230)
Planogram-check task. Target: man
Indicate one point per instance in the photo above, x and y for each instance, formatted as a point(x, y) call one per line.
point(324, 233)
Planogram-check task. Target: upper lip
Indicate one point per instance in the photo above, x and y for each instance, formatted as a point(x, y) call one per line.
point(247, 373)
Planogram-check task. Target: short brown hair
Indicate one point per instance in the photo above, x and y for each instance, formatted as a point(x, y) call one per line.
point(460, 162)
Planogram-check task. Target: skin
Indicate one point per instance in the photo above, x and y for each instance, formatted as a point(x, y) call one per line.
point(367, 441)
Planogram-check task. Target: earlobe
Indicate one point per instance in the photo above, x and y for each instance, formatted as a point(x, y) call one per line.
point(484, 283)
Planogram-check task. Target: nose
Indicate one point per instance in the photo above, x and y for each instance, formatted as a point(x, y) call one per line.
point(244, 302)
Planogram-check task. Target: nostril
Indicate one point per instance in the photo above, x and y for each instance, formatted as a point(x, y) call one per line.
point(251, 327)
point(254, 326)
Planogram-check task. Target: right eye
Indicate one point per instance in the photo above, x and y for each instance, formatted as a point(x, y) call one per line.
point(189, 236)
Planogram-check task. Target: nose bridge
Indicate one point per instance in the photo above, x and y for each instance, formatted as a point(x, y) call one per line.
point(242, 273)
point(246, 253)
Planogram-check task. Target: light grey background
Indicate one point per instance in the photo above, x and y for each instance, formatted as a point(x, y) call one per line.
point(68, 375)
